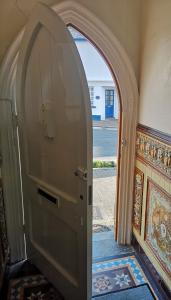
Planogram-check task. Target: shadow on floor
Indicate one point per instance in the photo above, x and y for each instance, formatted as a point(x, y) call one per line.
point(104, 246)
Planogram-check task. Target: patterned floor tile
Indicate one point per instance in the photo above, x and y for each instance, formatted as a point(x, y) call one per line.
point(116, 274)
point(32, 287)
point(141, 292)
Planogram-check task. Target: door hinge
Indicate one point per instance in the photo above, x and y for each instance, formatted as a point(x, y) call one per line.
point(123, 142)
point(15, 120)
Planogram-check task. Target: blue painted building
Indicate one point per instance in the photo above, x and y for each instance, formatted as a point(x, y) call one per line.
point(103, 92)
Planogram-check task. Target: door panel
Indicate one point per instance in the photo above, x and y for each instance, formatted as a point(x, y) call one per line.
point(109, 103)
point(55, 139)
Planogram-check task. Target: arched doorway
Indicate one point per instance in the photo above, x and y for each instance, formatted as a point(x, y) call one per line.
point(110, 48)
point(106, 115)
point(97, 32)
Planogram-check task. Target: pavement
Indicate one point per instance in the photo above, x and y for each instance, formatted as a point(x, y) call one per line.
point(108, 123)
point(105, 141)
point(104, 193)
point(104, 172)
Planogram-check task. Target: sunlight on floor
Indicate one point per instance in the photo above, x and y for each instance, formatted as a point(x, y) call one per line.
point(104, 186)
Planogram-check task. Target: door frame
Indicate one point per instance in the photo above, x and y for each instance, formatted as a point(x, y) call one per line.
point(108, 45)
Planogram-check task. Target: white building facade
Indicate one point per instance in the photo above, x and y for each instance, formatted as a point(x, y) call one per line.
point(103, 92)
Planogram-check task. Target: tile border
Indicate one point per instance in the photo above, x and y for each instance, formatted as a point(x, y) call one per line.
point(154, 149)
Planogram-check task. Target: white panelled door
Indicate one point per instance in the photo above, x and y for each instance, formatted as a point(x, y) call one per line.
point(55, 140)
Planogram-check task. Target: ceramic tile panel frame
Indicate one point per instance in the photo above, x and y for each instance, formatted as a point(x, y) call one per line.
point(168, 197)
point(138, 171)
point(162, 180)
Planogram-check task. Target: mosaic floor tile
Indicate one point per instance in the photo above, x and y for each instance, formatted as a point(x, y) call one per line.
point(141, 292)
point(32, 287)
point(116, 274)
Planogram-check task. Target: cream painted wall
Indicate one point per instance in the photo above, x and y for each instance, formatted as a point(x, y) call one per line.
point(121, 16)
point(155, 79)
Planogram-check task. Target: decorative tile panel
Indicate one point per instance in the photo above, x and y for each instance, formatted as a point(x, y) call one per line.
point(158, 224)
point(155, 149)
point(138, 199)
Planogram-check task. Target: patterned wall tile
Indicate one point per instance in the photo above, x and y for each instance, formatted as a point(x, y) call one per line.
point(154, 150)
point(158, 224)
point(138, 199)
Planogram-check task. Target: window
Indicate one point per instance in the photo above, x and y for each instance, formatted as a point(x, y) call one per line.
point(91, 91)
point(109, 97)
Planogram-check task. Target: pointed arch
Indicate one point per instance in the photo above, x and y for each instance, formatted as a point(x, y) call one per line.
point(117, 59)
point(119, 63)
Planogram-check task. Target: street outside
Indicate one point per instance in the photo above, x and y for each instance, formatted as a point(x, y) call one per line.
point(105, 140)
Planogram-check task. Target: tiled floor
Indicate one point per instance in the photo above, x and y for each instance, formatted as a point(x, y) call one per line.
point(142, 292)
point(33, 287)
point(104, 250)
point(104, 246)
point(116, 274)
point(129, 261)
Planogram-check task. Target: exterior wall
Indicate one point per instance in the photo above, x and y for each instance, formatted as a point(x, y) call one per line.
point(98, 107)
point(98, 75)
point(116, 106)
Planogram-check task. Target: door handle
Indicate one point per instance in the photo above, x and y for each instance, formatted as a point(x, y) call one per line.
point(81, 173)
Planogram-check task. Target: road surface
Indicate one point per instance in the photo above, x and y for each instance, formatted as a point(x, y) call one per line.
point(105, 141)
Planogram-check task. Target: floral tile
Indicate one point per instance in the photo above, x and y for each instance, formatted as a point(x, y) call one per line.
point(116, 274)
